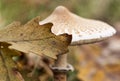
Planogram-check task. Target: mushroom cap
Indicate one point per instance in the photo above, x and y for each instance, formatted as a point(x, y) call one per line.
point(83, 30)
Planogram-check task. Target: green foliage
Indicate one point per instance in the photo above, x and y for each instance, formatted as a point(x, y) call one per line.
point(24, 10)
point(72, 76)
point(113, 11)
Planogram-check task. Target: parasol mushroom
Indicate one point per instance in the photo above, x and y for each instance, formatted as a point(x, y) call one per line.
point(82, 30)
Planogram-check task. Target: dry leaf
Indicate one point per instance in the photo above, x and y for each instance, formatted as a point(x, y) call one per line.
point(92, 65)
point(25, 75)
point(8, 70)
point(29, 63)
point(35, 38)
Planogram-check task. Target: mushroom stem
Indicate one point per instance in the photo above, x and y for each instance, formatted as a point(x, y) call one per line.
point(61, 61)
point(60, 74)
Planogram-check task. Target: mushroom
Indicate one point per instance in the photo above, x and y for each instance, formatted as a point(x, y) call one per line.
point(81, 29)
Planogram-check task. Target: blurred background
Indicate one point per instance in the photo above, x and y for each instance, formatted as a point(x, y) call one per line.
point(93, 62)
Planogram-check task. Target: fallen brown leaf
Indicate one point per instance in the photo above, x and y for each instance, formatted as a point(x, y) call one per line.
point(33, 38)
point(8, 68)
